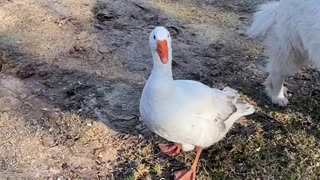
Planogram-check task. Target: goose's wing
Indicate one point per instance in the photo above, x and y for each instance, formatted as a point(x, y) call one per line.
point(200, 100)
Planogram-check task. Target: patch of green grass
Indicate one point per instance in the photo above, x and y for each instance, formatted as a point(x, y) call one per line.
point(157, 169)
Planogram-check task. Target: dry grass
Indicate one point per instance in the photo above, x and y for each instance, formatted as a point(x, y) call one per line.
point(187, 11)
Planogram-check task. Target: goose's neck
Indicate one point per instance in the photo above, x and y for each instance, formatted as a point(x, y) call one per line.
point(161, 80)
point(162, 72)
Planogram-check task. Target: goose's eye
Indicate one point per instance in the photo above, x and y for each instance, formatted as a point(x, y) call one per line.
point(154, 37)
point(168, 35)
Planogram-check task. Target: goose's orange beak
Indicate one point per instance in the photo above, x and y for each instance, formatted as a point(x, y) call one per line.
point(162, 49)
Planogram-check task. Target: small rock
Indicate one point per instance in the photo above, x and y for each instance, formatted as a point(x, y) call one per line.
point(104, 15)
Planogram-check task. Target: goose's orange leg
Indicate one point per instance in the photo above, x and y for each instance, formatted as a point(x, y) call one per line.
point(191, 174)
point(170, 149)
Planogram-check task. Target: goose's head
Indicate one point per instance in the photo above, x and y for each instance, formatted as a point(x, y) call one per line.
point(160, 43)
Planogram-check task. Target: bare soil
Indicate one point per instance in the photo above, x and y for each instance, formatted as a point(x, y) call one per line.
point(71, 75)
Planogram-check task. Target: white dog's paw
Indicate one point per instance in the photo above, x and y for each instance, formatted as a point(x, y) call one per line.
point(282, 102)
point(280, 99)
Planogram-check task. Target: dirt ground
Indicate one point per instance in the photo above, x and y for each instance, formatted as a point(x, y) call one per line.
point(71, 75)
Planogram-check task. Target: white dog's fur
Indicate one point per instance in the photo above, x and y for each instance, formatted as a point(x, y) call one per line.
point(292, 39)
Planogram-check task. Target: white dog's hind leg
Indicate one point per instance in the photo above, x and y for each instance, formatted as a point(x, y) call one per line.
point(280, 66)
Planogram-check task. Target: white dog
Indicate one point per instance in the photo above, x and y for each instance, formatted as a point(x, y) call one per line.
point(292, 39)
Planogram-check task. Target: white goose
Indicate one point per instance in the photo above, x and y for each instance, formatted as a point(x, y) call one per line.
point(186, 112)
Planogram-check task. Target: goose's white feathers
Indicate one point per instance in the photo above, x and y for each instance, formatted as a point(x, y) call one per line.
point(188, 112)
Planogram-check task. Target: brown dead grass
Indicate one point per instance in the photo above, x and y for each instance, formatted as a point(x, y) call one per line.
point(30, 153)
